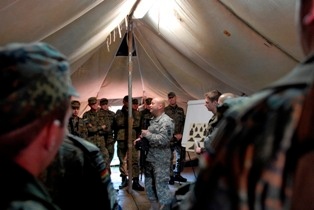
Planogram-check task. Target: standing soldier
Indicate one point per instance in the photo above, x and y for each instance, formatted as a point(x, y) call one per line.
point(107, 118)
point(95, 128)
point(146, 115)
point(76, 124)
point(177, 114)
point(158, 135)
point(121, 118)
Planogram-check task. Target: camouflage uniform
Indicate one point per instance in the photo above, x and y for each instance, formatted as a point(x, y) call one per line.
point(36, 82)
point(78, 178)
point(122, 139)
point(77, 127)
point(158, 159)
point(107, 117)
point(264, 153)
point(95, 131)
point(177, 114)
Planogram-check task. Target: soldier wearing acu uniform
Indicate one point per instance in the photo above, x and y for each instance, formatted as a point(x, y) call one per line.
point(121, 118)
point(95, 128)
point(76, 124)
point(107, 118)
point(157, 170)
point(177, 114)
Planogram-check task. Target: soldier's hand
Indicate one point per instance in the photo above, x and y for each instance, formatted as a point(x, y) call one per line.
point(104, 127)
point(136, 140)
point(144, 133)
point(178, 136)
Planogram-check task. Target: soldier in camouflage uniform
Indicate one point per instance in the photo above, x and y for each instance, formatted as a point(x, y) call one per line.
point(76, 124)
point(177, 114)
point(34, 110)
point(157, 170)
point(107, 117)
point(96, 129)
point(78, 178)
point(121, 118)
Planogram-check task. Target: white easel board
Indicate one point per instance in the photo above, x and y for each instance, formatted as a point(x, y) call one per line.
point(197, 117)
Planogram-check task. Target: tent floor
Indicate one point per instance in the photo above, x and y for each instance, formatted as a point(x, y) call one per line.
point(135, 200)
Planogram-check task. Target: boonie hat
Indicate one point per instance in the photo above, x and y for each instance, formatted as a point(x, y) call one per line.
point(75, 104)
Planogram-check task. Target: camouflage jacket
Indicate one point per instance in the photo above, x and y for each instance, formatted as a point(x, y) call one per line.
point(20, 190)
point(77, 127)
point(160, 133)
point(177, 114)
point(107, 117)
point(265, 151)
point(93, 124)
point(78, 178)
point(121, 119)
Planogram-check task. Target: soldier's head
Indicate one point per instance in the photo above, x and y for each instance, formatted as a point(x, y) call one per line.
point(172, 99)
point(135, 104)
point(157, 107)
point(104, 104)
point(125, 101)
point(211, 100)
point(93, 103)
point(75, 105)
point(35, 101)
point(148, 101)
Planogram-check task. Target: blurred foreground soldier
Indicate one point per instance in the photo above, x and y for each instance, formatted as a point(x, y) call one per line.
point(78, 178)
point(107, 118)
point(265, 150)
point(157, 170)
point(76, 124)
point(177, 114)
point(34, 109)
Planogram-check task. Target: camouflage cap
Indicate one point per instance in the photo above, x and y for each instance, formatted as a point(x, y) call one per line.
point(36, 80)
point(75, 104)
point(92, 100)
point(103, 101)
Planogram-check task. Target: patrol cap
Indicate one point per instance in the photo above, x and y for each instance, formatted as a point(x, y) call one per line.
point(92, 100)
point(35, 78)
point(171, 95)
point(75, 104)
point(134, 101)
point(103, 101)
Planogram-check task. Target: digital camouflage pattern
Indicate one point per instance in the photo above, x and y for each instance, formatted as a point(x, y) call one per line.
point(25, 99)
point(157, 164)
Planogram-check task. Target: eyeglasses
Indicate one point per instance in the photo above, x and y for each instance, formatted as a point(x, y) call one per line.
point(170, 97)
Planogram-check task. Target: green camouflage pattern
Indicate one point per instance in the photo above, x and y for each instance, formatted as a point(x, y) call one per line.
point(95, 131)
point(35, 78)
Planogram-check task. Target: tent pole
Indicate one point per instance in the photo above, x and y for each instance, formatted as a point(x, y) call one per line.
point(130, 70)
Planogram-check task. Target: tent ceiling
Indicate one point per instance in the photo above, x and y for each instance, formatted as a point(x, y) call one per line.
point(189, 47)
